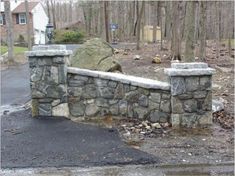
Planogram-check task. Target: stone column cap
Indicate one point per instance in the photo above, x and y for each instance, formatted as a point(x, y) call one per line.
point(189, 69)
point(48, 50)
point(189, 65)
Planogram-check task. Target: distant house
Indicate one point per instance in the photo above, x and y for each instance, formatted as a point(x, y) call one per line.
point(37, 19)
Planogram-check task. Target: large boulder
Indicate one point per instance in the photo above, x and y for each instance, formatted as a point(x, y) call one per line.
point(96, 54)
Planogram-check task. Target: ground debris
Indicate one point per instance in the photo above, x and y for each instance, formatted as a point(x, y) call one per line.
point(134, 131)
point(225, 120)
point(13, 131)
point(156, 60)
point(137, 57)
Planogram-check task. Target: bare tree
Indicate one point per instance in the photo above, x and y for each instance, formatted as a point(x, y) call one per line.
point(176, 39)
point(48, 10)
point(155, 8)
point(106, 19)
point(53, 13)
point(126, 15)
point(142, 23)
point(70, 10)
point(136, 14)
point(168, 23)
point(230, 28)
point(161, 25)
point(190, 30)
point(29, 41)
point(89, 17)
point(202, 35)
point(133, 24)
point(101, 20)
point(217, 20)
point(9, 26)
point(140, 14)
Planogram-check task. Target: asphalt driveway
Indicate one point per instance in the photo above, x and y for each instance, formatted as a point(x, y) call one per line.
point(15, 87)
point(57, 142)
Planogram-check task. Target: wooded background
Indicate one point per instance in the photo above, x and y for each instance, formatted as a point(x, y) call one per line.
point(189, 22)
point(183, 24)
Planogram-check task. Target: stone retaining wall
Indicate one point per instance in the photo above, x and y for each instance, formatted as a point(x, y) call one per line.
point(58, 90)
point(94, 93)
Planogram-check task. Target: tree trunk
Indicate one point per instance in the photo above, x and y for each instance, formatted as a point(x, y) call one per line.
point(176, 42)
point(101, 19)
point(138, 25)
point(89, 17)
point(161, 27)
point(155, 7)
point(9, 26)
point(106, 19)
point(85, 17)
point(70, 11)
point(142, 24)
point(168, 24)
point(48, 11)
point(53, 13)
point(133, 19)
point(137, 14)
point(190, 30)
point(217, 4)
point(230, 28)
point(197, 27)
point(202, 35)
point(28, 25)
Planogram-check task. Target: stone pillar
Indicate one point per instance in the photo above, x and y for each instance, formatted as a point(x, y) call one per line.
point(48, 80)
point(191, 94)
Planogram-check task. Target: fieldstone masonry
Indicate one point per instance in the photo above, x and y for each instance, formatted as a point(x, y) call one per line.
point(191, 94)
point(48, 80)
point(95, 93)
point(59, 90)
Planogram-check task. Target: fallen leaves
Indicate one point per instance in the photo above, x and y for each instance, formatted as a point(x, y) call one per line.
point(225, 120)
point(133, 132)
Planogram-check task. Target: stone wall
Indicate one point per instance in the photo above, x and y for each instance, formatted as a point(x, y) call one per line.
point(191, 94)
point(48, 80)
point(94, 93)
point(58, 90)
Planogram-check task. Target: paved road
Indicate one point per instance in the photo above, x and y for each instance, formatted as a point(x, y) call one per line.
point(58, 142)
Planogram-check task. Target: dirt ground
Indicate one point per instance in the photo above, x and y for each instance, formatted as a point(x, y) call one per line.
point(213, 144)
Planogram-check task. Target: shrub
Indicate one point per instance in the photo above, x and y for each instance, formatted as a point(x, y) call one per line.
point(68, 36)
point(21, 41)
